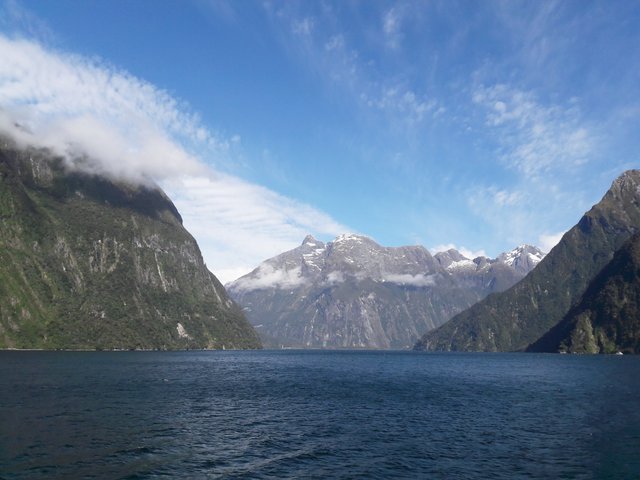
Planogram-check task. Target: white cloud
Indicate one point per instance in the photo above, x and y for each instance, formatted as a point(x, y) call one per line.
point(90, 143)
point(419, 280)
point(239, 224)
point(131, 129)
point(547, 241)
point(77, 106)
point(471, 254)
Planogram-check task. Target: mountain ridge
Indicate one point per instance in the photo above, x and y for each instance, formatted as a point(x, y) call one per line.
point(355, 293)
point(511, 320)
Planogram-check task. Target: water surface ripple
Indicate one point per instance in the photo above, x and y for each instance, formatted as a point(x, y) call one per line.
point(318, 414)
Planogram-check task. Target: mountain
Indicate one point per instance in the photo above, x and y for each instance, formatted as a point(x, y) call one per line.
point(354, 293)
point(607, 318)
point(92, 263)
point(489, 276)
point(512, 320)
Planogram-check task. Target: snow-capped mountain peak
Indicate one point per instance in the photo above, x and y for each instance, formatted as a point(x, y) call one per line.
point(310, 240)
point(348, 237)
point(353, 292)
point(522, 258)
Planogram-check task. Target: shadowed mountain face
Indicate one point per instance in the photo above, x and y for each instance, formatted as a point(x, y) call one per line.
point(607, 319)
point(354, 293)
point(87, 262)
point(514, 319)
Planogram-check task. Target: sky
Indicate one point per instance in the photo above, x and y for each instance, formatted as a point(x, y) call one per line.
point(466, 124)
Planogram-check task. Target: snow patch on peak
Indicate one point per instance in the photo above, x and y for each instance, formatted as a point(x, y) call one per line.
point(534, 254)
point(535, 257)
point(462, 264)
point(350, 237)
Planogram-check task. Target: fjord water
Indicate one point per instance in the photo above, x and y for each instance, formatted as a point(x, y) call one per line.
point(318, 414)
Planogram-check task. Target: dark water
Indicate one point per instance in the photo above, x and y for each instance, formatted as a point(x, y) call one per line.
point(291, 414)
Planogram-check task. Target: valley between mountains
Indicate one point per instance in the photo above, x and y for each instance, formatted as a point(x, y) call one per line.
point(90, 262)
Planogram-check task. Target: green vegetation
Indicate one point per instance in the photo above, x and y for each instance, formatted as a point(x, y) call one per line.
point(90, 263)
point(607, 319)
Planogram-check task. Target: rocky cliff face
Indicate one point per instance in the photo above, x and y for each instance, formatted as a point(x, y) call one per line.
point(607, 318)
point(87, 262)
point(518, 317)
point(354, 293)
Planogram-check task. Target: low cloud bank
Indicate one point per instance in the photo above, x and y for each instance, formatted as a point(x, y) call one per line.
point(418, 280)
point(125, 127)
point(268, 277)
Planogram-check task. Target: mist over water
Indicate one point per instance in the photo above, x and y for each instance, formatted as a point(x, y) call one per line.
point(318, 414)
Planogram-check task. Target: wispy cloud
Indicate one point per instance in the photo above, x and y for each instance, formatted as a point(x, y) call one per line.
point(302, 27)
point(534, 138)
point(324, 45)
point(400, 100)
point(14, 17)
point(391, 26)
point(131, 129)
point(520, 213)
point(499, 197)
point(542, 148)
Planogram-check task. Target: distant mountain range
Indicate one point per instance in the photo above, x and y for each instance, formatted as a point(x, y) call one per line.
point(88, 262)
point(354, 293)
point(583, 297)
point(92, 263)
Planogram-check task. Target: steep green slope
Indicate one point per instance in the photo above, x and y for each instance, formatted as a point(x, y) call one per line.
point(607, 319)
point(511, 320)
point(86, 262)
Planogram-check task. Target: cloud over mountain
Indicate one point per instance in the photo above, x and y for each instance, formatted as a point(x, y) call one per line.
point(107, 121)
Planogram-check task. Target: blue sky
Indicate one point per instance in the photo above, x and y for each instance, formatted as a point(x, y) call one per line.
point(480, 125)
